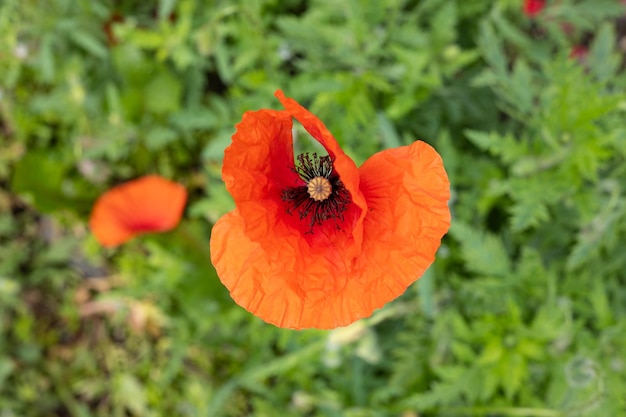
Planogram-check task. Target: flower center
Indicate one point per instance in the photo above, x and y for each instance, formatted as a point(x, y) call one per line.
point(319, 188)
point(324, 196)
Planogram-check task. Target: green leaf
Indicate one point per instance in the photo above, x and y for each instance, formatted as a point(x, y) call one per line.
point(462, 352)
point(491, 47)
point(163, 94)
point(513, 34)
point(146, 39)
point(89, 43)
point(134, 66)
point(483, 253)
point(39, 178)
point(492, 353)
point(7, 367)
point(528, 213)
point(194, 119)
point(513, 373)
point(129, 393)
point(159, 137)
point(602, 60)
point(507, 147)
point(443, 25)
point(601, 306)
point(521, 82)
point(530, 208)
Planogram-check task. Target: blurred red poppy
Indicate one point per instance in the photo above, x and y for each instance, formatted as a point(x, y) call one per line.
point(315, 241)
point(145, 205)
point(579, 52)
point(533, 7)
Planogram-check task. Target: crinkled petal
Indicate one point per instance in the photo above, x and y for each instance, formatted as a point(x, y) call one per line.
point(148, 204)
point(407, 192)
point(257, 168)
point(342, 164)
point(288, 286)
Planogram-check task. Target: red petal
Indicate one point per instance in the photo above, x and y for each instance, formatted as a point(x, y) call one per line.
point(286, 284)
point(342, 164)
point(257, 168)
point(533, 7)
point(148, 204)
point(407, 191)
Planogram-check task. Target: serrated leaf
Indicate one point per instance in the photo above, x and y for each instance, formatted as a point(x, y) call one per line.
point(443, 24)
point(512, 373)
point(483, 253)
point(491, 47)
point(507, 147)
point(521, 87)
point(484, 140)
point(528, 213)
point(531, 200)
point(511, 33)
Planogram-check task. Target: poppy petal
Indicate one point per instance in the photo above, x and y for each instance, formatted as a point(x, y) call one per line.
point(288, 286)
point(342, 164)
point(257, 167)
point(533, 7)
point(148, 204)
point(407, 191)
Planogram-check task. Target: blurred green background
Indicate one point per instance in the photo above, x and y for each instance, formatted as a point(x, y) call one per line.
point(522, 314)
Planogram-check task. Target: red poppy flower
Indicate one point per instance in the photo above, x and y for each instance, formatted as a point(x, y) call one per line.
point(318, 242)
point(145, 205)
point(533, 7)
point(579, 52)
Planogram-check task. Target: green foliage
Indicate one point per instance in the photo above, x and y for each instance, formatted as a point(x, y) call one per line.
point(522, 314)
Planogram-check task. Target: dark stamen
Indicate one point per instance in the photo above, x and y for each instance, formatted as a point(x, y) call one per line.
point(317, 207)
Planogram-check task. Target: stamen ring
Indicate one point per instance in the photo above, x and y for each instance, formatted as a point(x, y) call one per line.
point(319, 188)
